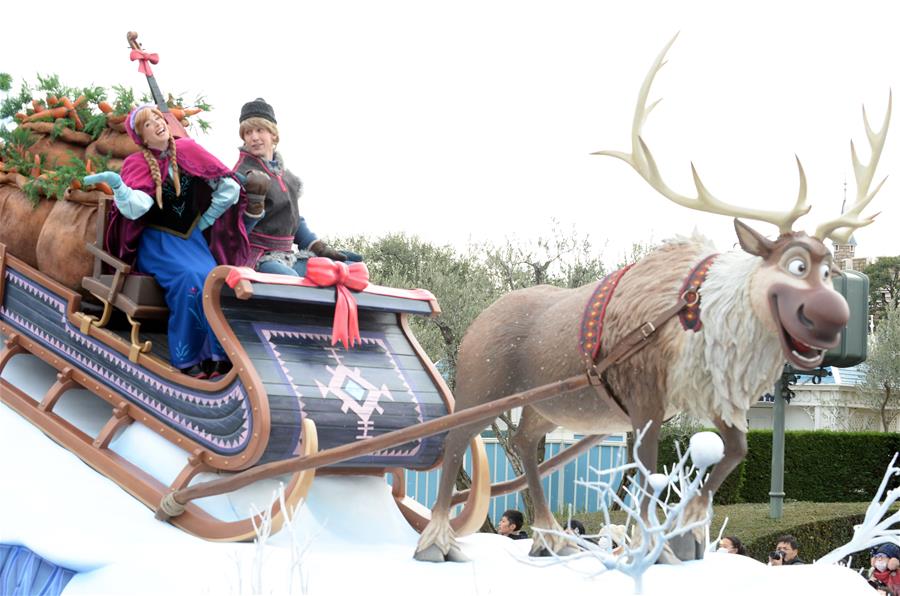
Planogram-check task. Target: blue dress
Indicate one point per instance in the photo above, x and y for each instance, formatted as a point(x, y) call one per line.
point(180, 266)
point(173, 249)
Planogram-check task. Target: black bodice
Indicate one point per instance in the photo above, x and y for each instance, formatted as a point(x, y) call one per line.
point(180, 213)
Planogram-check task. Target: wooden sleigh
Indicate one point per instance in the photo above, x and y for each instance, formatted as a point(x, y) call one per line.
point(378, 408)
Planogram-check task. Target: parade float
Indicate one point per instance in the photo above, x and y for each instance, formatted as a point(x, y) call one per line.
point(327, 378)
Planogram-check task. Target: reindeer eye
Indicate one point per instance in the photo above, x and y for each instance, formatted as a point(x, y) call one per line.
point(826, 272)
point(797, 267)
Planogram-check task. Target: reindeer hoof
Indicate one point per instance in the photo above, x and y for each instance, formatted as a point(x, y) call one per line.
point(682, 548)
point(456, 555)
point(433, 554)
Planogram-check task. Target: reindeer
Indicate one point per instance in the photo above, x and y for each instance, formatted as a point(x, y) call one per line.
point(770, 304)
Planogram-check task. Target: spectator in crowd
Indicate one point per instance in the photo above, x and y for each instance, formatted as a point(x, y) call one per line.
point(732, 545)
point(885, 562)
point(790, 549)
point(511, 525)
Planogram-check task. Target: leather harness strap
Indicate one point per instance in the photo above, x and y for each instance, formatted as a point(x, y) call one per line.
point(626, 347)
point(637, 339)
point(687, 308)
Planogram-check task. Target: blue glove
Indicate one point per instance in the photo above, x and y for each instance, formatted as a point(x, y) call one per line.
point(111, 178)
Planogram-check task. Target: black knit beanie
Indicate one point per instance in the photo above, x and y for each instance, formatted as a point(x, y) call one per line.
point(258, 108)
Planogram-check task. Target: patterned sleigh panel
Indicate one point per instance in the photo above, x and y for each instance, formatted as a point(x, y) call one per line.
point(351, 394)
point(220, 420)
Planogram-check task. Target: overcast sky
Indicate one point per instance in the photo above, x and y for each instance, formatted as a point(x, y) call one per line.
point(465, 120)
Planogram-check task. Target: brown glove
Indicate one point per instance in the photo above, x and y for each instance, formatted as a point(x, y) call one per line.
point(320, 249)
point(256, 187)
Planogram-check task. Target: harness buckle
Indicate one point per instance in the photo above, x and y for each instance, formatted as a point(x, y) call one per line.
point(593, 376)
point(647, 329)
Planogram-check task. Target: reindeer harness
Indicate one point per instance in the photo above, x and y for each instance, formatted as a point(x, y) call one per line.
point(687, 307)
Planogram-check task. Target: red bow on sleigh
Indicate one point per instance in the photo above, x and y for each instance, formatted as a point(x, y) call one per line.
point(326, 273)
point(144, 57)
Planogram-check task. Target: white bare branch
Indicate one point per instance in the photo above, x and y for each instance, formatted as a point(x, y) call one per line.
point(663, 520)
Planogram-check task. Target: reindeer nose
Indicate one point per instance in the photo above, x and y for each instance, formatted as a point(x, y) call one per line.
point(824, 314)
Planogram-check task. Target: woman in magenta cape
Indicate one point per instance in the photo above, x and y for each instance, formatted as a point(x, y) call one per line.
point(177, 214)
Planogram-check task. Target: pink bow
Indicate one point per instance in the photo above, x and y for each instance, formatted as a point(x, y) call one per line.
point(326, 273)
point(144, 58)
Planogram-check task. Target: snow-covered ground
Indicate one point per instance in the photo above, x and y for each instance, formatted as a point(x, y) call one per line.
point(355, 541)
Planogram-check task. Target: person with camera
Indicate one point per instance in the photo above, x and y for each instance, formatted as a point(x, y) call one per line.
point(786, 552)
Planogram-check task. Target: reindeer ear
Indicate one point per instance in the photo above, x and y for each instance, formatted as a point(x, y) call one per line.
point(752, 241)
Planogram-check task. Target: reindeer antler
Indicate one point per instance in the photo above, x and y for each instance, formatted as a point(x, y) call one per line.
point(642, 161)
point(841, 228)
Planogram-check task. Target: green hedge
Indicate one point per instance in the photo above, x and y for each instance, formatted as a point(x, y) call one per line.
point(821, 466)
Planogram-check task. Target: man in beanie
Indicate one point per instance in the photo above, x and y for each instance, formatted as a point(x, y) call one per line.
point(278, 224)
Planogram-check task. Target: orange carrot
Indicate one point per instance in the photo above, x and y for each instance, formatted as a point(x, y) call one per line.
point(88, 167)
point(76, 184)
point(72, 113)
point(177, 112)
point(117, 119)
point(104, 188)
point(105, 107)
point(21, 117)
point(192, 111)
point(79, 101)
point(36, 170)
point(52, 114)
point(38, 106)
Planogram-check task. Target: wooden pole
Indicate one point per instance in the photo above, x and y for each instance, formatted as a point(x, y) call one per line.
point(368, 446)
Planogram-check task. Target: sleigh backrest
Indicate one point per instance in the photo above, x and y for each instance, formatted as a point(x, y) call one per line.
point(138, 296)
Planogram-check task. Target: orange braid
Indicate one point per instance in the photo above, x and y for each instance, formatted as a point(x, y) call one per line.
point(154, 172)
point(176, 177)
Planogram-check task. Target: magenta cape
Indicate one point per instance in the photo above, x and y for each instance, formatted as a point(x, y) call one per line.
point(227, 237)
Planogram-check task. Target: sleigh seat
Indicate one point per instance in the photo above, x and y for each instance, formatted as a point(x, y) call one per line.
point(135, 294)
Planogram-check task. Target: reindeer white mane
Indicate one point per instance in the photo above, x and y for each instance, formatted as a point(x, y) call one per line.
point(734, 349)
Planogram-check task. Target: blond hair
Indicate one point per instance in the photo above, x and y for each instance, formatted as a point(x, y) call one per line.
point(256, 122)
point(139, 120)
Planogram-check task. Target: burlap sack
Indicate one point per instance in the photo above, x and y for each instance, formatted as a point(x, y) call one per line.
point(70, 225)
point(114, 144)
point(21, 223)
point(113, 163)
point(56, 152)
